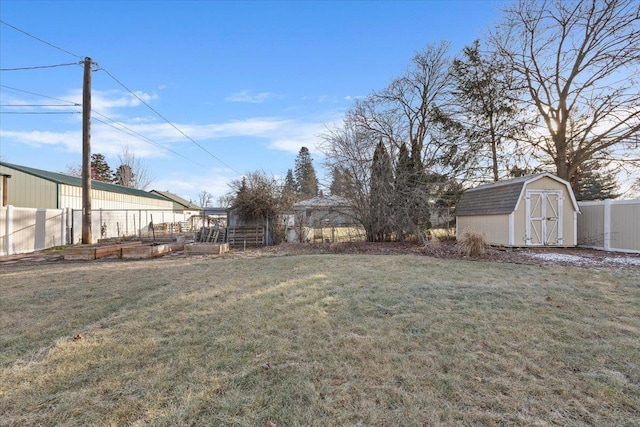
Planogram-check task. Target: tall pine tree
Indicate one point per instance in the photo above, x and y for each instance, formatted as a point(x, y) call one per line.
point(593, 182)
point(289, 192)
point(381, 195)
point(339, 182)
point(100, 170)
point(402, 194)
point(305, 174)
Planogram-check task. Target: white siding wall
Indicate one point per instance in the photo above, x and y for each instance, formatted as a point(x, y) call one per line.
point(71, 197)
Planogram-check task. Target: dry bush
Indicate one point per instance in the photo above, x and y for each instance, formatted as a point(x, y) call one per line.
point(472, 244)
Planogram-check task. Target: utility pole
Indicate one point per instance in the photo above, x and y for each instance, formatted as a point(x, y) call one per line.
point(86, 153)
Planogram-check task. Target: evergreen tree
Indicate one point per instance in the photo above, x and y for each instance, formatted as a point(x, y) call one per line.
point(402, 194)
point(486, 107)
point(593, 182)
point(289, 193)
point(381, 195)
point(289, 183)
point(305, 174)
point(339, 182)
point(100, 170)
point(419, 195)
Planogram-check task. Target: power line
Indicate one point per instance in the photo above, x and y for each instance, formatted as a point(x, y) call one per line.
point(75, 104)
point(42, 112)
point(33, 105)
point(40, 40)
point(167, 121)
point(38, 67)
point(122, 128)
point(114, 124)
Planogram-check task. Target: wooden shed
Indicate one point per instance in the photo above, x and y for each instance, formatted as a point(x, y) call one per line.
point(533, 210)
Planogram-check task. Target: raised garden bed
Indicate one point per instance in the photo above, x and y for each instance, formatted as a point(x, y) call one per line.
point(207, 248)
point(90, 252)
point(150, 251)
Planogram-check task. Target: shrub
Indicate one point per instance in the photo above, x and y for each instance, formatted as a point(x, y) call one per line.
point(472, 244)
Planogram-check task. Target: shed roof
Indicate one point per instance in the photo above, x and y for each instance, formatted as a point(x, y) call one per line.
point(60, 178)
point(322, 202)
point(500, 198)
point(175, 198)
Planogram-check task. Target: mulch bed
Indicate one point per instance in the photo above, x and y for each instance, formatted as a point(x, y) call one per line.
point(443, 249)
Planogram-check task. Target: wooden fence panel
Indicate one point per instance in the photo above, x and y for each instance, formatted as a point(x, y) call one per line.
point(239, 236)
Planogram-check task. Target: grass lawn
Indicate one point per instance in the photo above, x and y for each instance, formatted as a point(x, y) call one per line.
point(318, 340)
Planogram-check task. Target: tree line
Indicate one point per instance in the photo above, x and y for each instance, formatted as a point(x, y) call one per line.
point(552, 88)
point(130, 173)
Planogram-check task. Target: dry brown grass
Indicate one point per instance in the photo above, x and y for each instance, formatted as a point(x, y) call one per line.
point(326, 340)
point(472, 244)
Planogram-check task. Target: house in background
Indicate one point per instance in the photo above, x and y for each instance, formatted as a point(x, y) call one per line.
point(534, 210)
point(312, 215)
point(324, 211)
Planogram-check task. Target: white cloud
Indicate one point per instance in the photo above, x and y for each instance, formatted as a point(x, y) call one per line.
point(189, 186)
point(246, 96)
point(71, 140)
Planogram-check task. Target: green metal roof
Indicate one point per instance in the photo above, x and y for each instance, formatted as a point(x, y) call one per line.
point(175, 198)
point(60, 178)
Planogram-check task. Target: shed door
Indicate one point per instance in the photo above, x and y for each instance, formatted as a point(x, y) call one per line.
point(544, 217)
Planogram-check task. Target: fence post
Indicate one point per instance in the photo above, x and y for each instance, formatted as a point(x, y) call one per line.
point(8, 229)
point(607, 225)
point(67, 224)
point(62, 227)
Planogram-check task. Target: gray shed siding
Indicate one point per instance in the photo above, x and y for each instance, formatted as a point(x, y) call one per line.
point(26, 190)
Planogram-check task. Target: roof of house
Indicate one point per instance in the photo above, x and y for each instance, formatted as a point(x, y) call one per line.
point(322, 202)
point(60, 178)
point(500, 198)
point(175, 198)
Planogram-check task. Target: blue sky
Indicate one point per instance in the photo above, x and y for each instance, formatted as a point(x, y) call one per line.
point(251, 82)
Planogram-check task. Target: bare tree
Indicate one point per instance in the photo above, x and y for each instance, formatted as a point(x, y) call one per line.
point(132, 172)
point(225, 201)
point(350, 147)
point(408, 111)
point(204, 199)
point(73, 170)
point(579, 62)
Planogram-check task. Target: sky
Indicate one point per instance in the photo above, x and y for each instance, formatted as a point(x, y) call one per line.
point(206, 90)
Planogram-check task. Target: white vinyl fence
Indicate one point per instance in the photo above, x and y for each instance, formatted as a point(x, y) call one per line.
point(25, 230)
point(610, 225)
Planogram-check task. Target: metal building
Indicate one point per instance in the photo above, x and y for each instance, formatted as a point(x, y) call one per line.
point(34, 188)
